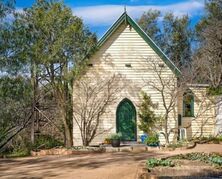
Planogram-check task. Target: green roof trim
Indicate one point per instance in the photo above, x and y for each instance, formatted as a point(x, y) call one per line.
point(148, 40)
point(108, 33)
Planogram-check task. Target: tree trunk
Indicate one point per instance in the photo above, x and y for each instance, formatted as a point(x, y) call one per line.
point(85, 143)
point(68, 136)
point(34, 82)
point(67, 128)
point(68, 111)
point(166, 131)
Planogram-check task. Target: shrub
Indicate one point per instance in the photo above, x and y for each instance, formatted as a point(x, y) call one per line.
point(214, 91)
point(46, 142)
point(116, 136)
point(19, 153)
point(152, 162)
point(152, 140)
point(107, 140)
point(220, 138)
point(147, 116)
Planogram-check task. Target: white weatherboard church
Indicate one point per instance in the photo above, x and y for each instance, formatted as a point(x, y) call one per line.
point(126, 50)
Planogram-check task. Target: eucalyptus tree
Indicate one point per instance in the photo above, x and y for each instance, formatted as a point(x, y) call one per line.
point(54, 45)
point(177, 37)
point(15, 91)
point(6, 7)
point(149, 23)
point(208, 58)
point(15, 100)
point(172, 34)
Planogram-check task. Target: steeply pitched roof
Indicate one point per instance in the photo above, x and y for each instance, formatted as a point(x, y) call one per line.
point(125, 17)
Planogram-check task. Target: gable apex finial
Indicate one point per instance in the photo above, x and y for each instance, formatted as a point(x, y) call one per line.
point(125, 9)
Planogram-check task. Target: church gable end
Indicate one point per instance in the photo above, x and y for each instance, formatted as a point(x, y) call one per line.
point(124, 18)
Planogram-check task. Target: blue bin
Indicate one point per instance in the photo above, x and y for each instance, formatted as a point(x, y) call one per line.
point(143, 138)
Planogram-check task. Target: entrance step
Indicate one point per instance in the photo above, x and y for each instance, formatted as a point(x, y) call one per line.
point(127, 148)
point(139, 148)
point(129, 143)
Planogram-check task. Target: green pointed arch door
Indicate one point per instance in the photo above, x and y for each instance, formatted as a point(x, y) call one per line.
point(126, 120)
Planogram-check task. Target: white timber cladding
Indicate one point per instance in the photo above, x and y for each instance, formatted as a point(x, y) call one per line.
point(126, 46)
point(204, 120)
point(218, 125)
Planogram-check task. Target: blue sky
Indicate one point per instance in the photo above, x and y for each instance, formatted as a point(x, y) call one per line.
point(98, 15)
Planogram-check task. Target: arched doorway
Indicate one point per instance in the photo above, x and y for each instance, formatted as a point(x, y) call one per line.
point(126, 120)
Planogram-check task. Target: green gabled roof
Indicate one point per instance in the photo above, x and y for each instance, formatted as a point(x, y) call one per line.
point(125, 17)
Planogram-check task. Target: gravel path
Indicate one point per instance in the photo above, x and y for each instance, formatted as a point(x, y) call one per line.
point(88, 166)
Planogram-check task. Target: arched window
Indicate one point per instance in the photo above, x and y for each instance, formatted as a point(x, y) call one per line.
point(188, 104)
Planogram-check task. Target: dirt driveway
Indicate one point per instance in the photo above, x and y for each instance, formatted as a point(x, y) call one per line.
point(87, 166)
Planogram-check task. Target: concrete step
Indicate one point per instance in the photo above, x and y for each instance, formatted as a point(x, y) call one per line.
point(127, 148)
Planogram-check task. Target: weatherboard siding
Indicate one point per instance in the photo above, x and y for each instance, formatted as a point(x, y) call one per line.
point(125, 46)
point(203, 122)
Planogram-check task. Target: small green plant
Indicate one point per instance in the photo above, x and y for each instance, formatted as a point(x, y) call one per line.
point(153, 162)
point(152, 140)
point(216, 160)
point(116, 136)
point(107, 140)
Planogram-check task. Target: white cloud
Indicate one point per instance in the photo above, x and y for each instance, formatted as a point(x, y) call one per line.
point(106, 14)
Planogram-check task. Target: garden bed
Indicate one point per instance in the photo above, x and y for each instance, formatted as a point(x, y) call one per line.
point(193, 165)
point(65, 151)
point(184, 168)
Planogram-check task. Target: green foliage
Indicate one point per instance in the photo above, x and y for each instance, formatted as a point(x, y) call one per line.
point(213, 12)
point(208, 55)
point(174, 37)
point(153, 162)
point(46, 142)
point(6, 7)
point(216, 160)
point(21, 147)
point(152, 140)
point(53, 44)
point(17, 153)
point(215, 91)
point(15, 100)
point(220, 138)
point(116, 136)
point(147, 116)
point(177, 37)
point(213, 159)
point(149, 23)
point(53, 35)
point(7, 39)
point(16, 88)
